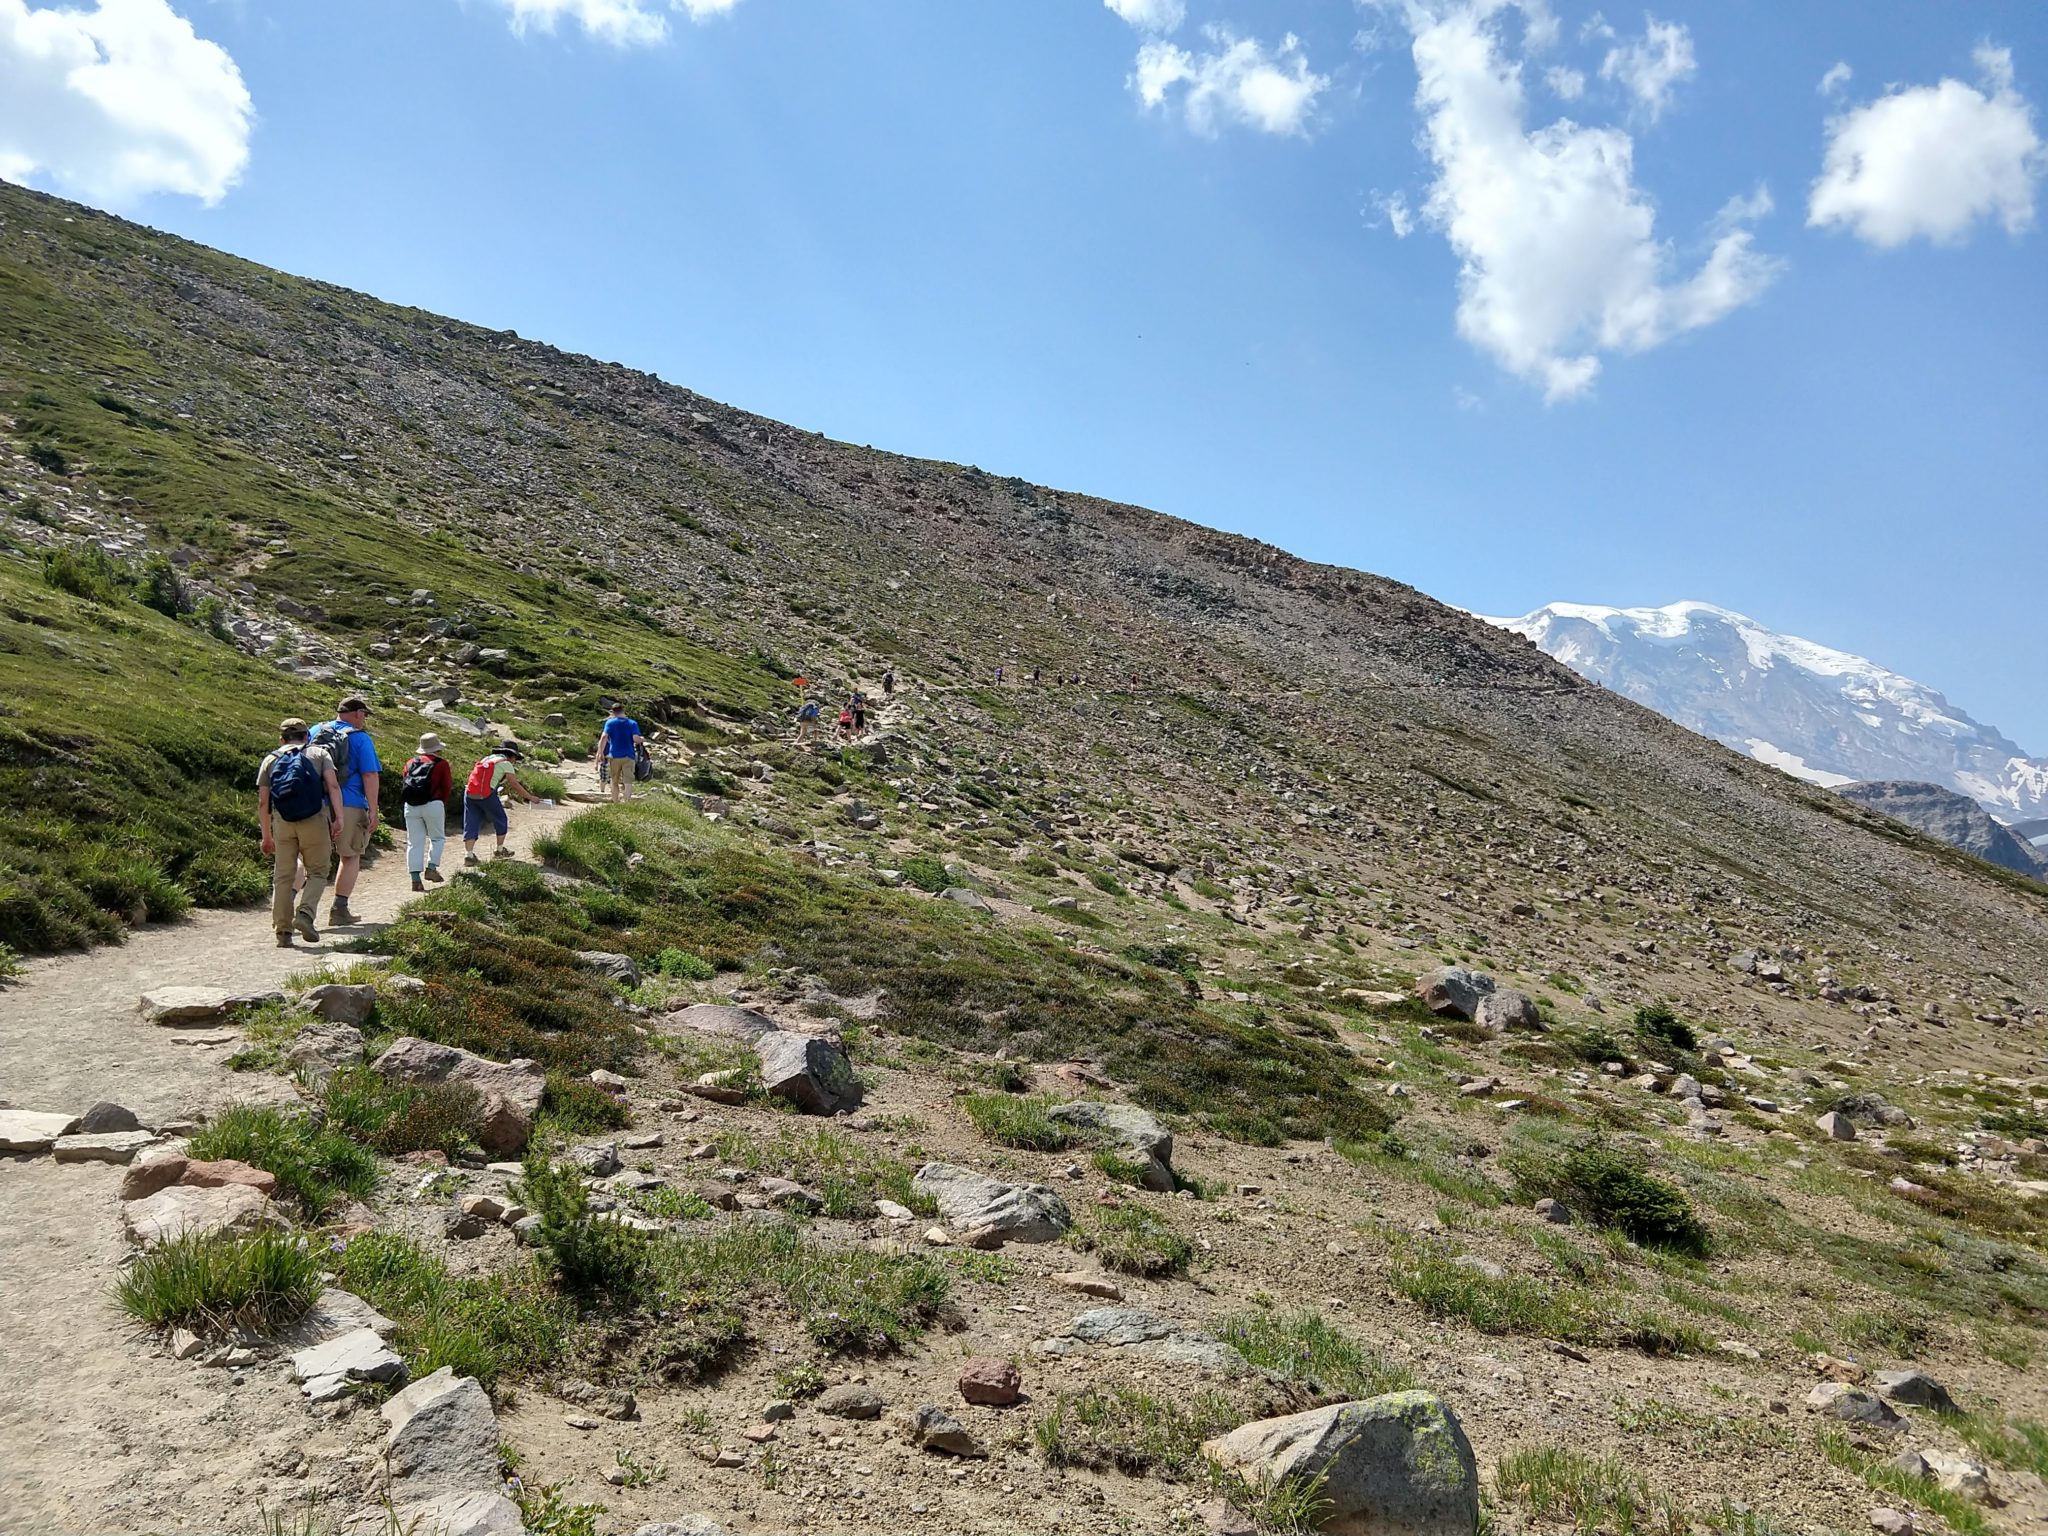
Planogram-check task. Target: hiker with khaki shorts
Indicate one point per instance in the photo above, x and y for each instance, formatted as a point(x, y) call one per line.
point(298, 811)
point(618, 749)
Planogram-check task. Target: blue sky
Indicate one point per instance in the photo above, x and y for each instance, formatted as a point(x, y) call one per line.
point(1153, 250)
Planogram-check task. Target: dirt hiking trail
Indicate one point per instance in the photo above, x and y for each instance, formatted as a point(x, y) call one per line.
point(101, 1432)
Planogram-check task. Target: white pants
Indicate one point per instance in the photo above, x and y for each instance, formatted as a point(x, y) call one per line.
point(424, 823)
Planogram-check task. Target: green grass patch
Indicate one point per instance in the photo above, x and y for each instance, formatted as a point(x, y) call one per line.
point(1010, 1120)
point(1876, 1470)
point(315, 1164)
point(1135, 1241)
point(1303, 1345)
point(209, 1284)
point(1594, 1493)
point(1131, 1430)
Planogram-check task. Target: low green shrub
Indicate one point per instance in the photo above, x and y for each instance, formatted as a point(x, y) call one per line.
point(396, 1118)
point(1615, 1191)
point(1658, 1024)
point(591, 1258)
point(263, 1282)
point(1302, 1345)
point(1010, 1120)
point(1136, 1241)
point(926, 873)
point(489, 1326)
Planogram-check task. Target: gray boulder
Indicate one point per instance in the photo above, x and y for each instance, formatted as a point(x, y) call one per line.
point(809, 1072)
point(1152, 1337)
point(1505, 1010)
point(1916, 1389)
point(850, 1402)
point(960, 896)
point(444, 1438)
point(689, 1525)
point(724, 1019)
point(1130, 1130)
point(933, 1429)
point(475, 1513)
point(1017, 1213)
point(622, 969)
point(321, 1050)
point(1852, 1405)
point(104, 1117)
point(1393, 1464)
point(1451, 991)
point(341, 1002)
point(509, 1092)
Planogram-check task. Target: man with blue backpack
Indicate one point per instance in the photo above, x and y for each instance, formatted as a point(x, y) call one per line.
point(346, 739)
point(619, 744)
point(299, 810)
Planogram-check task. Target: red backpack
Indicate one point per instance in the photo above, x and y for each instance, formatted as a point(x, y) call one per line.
point(479, 784)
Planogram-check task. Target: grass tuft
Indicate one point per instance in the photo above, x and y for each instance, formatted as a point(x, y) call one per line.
point(261, 1282)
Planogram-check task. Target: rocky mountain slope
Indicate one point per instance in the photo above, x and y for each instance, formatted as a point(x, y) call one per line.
point(1955, 819)
point(1823, 715)
point(1275, 992)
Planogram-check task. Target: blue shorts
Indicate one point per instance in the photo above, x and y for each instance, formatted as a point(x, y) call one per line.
point(476, 809)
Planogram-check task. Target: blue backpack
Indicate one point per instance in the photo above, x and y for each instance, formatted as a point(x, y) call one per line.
point(297, 790)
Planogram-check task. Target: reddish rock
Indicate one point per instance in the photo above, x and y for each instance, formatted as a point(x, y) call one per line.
point(227, 1171)
point(991, 1383)
point(150, 1174)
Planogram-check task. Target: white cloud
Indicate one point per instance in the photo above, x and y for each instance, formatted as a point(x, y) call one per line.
point(1565, 84)
point(1932, 160)
point(1235, 81)
point(1150, 15)
point(1839, 74)
point(1396, 214)
point(622, 23)
point(1651, 66)
point(1561, 262)
point(117, 101)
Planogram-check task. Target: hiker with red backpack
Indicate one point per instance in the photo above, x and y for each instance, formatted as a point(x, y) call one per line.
point(346, 739)
point(498, 771)
point(425, 786)
point(299, 811)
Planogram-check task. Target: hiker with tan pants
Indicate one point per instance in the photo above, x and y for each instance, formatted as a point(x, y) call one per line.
point(298, 810)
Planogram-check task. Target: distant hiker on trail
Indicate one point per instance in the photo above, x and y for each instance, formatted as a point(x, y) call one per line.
point(846, 723)
point(480, 801)
point(858, 705)
point(999, 675)
point(618, 748)
point(299, 811)
point(424, 786)
point(807, 720)
point(346, 739)
point(889, 684)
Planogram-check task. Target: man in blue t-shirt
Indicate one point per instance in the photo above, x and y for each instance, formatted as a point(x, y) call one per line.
point(618, 749)
point(346, 739)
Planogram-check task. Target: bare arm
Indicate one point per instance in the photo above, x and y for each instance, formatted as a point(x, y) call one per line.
point(263, 818)
point(370, 782)
point(519, 790)
point(333, 802)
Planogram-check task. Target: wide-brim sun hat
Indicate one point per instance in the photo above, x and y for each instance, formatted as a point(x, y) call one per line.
point(511, 749)
point(430, 743)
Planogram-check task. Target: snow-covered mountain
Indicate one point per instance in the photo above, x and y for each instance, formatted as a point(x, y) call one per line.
point(1827, 716)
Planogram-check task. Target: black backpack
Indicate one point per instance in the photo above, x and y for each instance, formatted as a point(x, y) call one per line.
point(416, 785)
point(297, 787)
point(643, 764)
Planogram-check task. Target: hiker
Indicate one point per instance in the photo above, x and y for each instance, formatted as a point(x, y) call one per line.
point(424, 786)
point(999, 676)
point(618, 748)
point(807, 720)
point(846, 723)
point(299, 811)
point(858, 704)
point(346, 739)
point(889, 684)
point(480, 802)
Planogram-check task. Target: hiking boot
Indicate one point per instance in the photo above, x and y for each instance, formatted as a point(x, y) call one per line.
point(304, 923)
point(470, 858)
point(501, 853)
point(339, 916)
point(433, 874)
point(284, 939)
point(418, 884)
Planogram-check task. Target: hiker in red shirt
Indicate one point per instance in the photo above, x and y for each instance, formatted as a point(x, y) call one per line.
point(425, 785)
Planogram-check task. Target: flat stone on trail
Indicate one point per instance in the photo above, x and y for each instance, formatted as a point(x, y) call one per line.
point(809, 1072)
point(724, 1019)
point(1020, 1213)
point(1154, 1337)
point(109, 1147)
point(185, 1210)
point(333, 1314)
point(444, 1437)
point(30, 1130)
point(325, 1371)
point(1398, 1463)
point(182, 1007)
point(689, 1525)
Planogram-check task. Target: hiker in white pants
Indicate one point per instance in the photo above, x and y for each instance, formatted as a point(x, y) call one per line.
point(425, 788)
